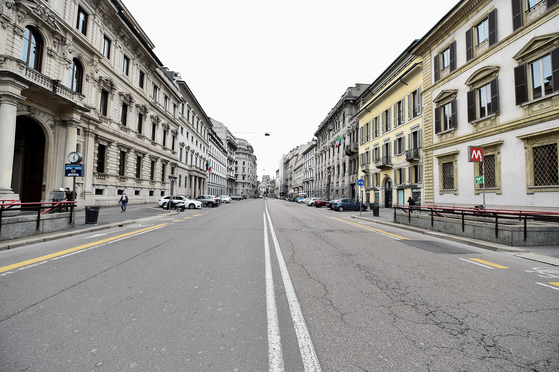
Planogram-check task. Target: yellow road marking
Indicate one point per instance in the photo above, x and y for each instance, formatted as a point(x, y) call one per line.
point(370, 228)
point(488, 263)
point(62, 253)
point(196, 215)
point(186, 218)
point(177, 221)
point(554, 283)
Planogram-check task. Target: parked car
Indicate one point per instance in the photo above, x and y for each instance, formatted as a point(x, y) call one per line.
point(349, 204)
point(208, 200)
point(330, 202)
point(304, 201)
point(224, 198)
point(163, 200)
point(235, 197)
point(298, 200)
point(176, 199)
point(310, 202)
point(320, 202)
point(181, 205)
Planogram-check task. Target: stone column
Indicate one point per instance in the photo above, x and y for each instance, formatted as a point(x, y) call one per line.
point(70, 145)
point(8, 115)
point(89, 153)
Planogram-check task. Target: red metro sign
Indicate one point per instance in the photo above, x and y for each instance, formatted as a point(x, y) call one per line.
point(475, 154)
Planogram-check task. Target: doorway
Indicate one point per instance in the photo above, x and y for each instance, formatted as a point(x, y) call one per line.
point(388, 194)
point(29, 156)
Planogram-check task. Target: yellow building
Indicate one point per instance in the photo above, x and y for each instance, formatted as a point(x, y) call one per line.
point(390, 134)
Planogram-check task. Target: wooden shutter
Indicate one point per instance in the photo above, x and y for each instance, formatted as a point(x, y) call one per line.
point(555, 67)
point(410, 107)
point(395, 177)
point(520, 84)
point(403, 148)
point(418, 107)
point(471, 106)
point(452, 56)
point(410, 174)
point(437, 120)
point(454, 119)
point(382, 123)
point(403, 175)
point(492, 20)
point(361, 130)
point(419, 138)
point(403, 111)
point(551, 3)
point(469, 45)
point(409, 142)
point(436, 66)
point(396, 121)
point(420, 173)
point(517, 20)
point(494, 96)
point(388, 117)
point(395, 147)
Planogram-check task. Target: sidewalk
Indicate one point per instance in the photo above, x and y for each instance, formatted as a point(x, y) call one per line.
point(109, 217)
point(544, 254)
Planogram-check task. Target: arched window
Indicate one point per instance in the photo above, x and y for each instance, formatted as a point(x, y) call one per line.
point(76, 76)
point(32, 49)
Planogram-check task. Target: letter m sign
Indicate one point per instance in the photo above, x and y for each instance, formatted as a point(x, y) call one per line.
point(475, 154)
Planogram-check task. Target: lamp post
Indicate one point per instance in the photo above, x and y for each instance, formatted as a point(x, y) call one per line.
point(172, 178)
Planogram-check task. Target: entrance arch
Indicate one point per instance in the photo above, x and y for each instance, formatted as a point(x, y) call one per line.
point(388, 194)
point(29, 156)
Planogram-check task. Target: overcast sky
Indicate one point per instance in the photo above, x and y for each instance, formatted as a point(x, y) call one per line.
point(276, 66)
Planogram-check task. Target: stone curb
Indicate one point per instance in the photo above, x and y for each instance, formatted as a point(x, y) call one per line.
point(73, 232)
point(518, 252)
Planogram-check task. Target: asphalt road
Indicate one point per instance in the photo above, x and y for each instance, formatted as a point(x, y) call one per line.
point(269, 285)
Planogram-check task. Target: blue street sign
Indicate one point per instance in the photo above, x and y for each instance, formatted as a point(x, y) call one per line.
point(73, 170)
point(360, 182)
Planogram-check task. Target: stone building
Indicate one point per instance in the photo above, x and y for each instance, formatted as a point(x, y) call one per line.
point(82, 76)
point(309, 169)
point(230, 143)
point(337, 147)
point(245, 170)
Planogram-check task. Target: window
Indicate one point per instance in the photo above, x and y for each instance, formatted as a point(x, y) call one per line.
point(32, 48)
point(166, 102)
point(414, 139)
point(448, 176)
point(104, 104)
point(81, 24)
point(415, 173)
point(546, 167)
point(483, 101)
point(163, 166)
point(385, 120)
point(126, 65)
point(490, 171)
point(445, 62)
point(175, 109)
point(140, 123)
point(155, 94)
point(414, 104)
point(525, 11)
point(152, 170)
point(445, 117)
point(101, 153)
point(153, 131)
point(482, 36)
point(122, 163)
point(399, 145)
point(399, 117)
point(124, 114)
point(106, 46)
point(542, 80)
point(76, 76)
point(164, 137)
point(138, 166)
point(141, 79)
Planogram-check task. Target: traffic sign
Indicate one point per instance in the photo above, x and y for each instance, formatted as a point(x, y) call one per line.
point(475, 154)
point(360, 182)
point(73, 170)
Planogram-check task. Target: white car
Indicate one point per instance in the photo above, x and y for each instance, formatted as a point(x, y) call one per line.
point(311, 201)
point(224, 198)
point(188, 203)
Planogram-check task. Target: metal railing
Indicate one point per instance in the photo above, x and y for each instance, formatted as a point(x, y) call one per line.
point(479, 213)
point(40, 208)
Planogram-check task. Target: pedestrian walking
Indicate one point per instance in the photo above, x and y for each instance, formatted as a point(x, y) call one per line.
point(123, 201)
point(411, 203)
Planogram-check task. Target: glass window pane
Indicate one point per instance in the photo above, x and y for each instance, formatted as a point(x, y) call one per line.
point(536, 80)
point(547, 76)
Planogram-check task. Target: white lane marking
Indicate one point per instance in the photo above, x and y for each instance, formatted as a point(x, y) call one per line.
point(94, 236)
point(547, 285)
point(477, 263)
point(275, 355)
point(308, 354)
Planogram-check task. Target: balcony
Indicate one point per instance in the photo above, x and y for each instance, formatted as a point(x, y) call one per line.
point(384, 162)
point(412, 155)
point(365, 168)
point(352, 149)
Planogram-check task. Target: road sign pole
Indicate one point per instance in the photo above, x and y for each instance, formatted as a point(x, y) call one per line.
point(73, 199)
point(483, 174)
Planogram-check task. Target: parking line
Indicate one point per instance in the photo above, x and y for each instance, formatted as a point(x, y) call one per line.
point(71, 250)
point(372, 229)
point(488, 263)
point(550, 286)
point(554, 283)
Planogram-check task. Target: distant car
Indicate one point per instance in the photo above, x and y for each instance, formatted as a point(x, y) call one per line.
point(349, 204)
point(224, 198)
point(208, 200)
point(310, 202)
point(304, 201)
point(235, 197)
point(320, 202)
point(298, 200)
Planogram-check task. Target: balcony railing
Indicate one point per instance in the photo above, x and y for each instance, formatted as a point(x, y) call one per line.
point(384, 162)
point(352, 149)
point(412, 154)
point(365, 168)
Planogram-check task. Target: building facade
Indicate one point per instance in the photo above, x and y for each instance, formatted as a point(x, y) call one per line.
point(499, 90)
point(309, 168)
point(390, 131)
point(336, 155)
point(245, 170)
point(82, 76)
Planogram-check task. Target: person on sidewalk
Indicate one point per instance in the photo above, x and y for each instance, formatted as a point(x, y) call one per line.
point(411, 203)
point(70, 196)
point(123, 201)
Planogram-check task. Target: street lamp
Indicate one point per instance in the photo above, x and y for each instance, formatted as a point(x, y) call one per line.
point(172, 178)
